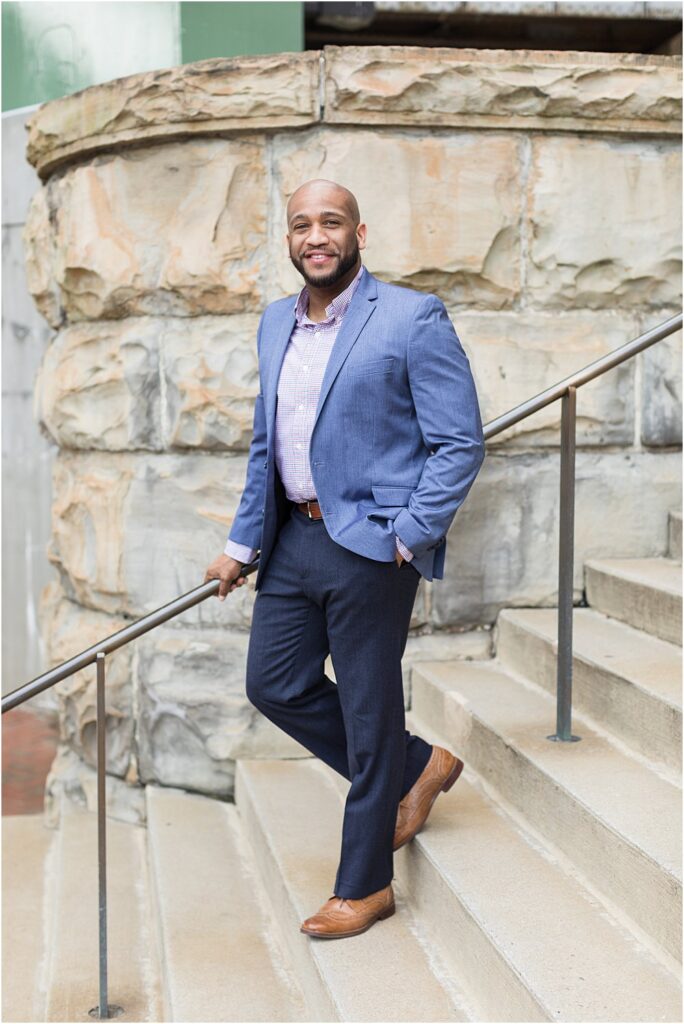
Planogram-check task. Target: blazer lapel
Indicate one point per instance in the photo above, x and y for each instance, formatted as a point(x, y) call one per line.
point(274, 366)
point(360, 309)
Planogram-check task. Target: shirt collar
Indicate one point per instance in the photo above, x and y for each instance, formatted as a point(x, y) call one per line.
point(336, 309)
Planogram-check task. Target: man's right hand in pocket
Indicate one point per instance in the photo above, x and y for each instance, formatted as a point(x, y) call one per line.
point(227, 570)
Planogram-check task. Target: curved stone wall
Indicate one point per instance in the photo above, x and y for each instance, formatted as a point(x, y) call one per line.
point(538, 194)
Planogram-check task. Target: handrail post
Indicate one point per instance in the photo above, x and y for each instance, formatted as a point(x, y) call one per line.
point(102, 1011)
point(566, 562)
point(102, 833)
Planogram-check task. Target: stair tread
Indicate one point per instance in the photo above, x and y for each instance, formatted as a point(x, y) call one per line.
point(133, 971)
point(636, 802)
point(220, 962)
point(658, 573)
point(26, 847)
point(301, 815)
point(572, 956)
point(646, 661)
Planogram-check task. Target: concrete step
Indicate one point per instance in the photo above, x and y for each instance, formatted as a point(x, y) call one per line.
point(643, 592)
point(626, 681)
point(675, 535)
point(615, 819)
point(28, 848)
point(73, 964)
point(220, 960)
point(293, 816)
point(530, 939)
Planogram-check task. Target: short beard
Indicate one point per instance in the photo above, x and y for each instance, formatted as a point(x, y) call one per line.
point(345, 264)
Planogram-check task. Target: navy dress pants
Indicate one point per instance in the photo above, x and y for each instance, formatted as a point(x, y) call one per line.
point(318, 598)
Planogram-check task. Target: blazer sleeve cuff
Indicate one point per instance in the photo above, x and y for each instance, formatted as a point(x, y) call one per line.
point(413, 535)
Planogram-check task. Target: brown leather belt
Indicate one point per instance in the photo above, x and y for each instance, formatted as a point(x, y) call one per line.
point(311, 508)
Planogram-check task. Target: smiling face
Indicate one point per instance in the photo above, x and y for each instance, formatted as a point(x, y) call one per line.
point(324, 234)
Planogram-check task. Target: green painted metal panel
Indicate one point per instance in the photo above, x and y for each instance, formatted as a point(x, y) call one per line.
point(54, 49)
point(234, 29)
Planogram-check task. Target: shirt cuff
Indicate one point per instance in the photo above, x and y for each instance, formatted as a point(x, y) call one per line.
point(239, 551)
point(403, 550)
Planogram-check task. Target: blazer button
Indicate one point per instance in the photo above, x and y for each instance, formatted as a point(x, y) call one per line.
point(266, 464)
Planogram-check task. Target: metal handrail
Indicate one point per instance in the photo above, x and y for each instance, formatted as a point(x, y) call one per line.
point(118, 639)
point(566, 390)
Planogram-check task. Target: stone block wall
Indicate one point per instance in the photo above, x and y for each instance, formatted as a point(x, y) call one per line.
point(537, 193)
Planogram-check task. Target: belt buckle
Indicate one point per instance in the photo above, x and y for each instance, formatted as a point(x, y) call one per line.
point(308, 509)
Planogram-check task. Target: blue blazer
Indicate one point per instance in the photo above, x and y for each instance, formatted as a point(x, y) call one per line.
point(397, 439)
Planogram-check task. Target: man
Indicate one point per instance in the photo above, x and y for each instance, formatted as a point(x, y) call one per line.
point(367, 438)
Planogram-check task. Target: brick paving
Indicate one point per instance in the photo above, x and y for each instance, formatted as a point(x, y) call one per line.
point(29, 744)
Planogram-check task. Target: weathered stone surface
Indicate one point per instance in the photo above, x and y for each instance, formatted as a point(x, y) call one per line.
point(40, 248)
point(605, 224)
point(98, 386)
point(169, 229)
point(211, 377)
point(130, 533)
point(72, 779)
point(87, 527)
point(515, 356)
point(661, 390)
point(69, 629)
point(377, 85)
point(503, 544)
point(195, 717)
point(152, 383)
point(442, 211)
point(534, 89)
point(208, 96)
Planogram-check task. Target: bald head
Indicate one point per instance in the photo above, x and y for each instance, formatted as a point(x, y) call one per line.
point(324, 191)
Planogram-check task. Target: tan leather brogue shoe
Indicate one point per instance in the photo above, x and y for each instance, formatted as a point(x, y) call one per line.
point(339, 917)
point(438, 776)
